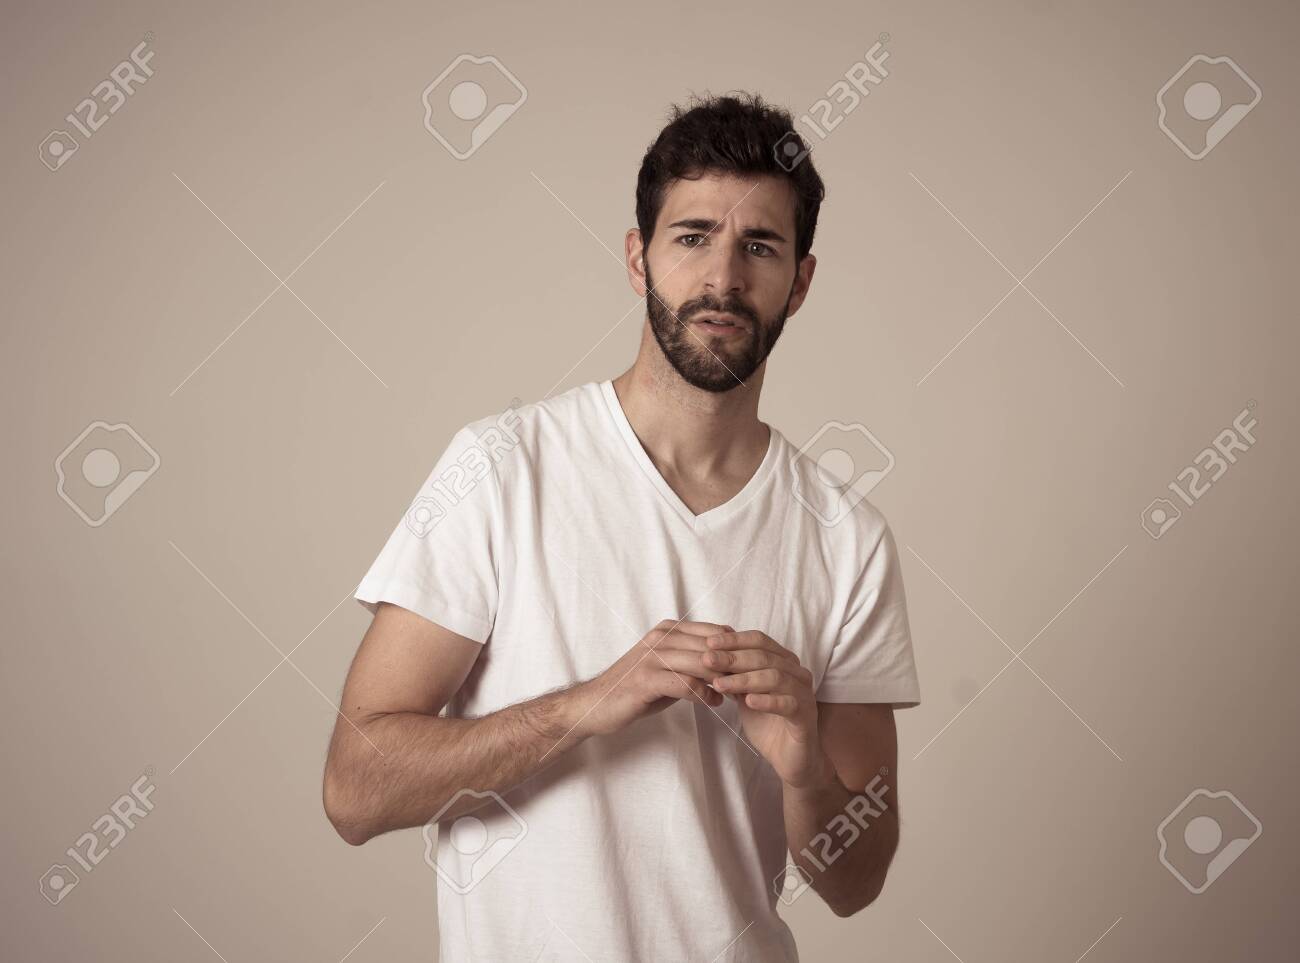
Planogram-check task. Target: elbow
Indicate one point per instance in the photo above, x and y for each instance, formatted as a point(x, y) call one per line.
point(341, 813)
point(352, 833)
point(846, 908)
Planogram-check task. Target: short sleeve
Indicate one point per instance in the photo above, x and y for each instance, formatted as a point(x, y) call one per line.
point(440, 561)
point(872, 660)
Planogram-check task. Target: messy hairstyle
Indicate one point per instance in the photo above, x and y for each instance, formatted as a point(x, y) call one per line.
point(740, 136)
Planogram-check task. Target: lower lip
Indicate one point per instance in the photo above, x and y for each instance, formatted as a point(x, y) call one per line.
point(718, 328)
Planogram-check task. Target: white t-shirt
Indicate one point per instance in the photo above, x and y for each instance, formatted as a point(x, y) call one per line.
point(548, 535)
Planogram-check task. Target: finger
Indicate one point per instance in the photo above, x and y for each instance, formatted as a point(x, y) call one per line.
point(694, 628)
point(685, 635)
point(669, 683)
point(685, 661)
point(750, 639)
point(760, 680)
point(777, 705)
point(747, 660)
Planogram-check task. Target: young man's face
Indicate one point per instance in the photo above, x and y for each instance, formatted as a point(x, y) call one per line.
point(722, 246)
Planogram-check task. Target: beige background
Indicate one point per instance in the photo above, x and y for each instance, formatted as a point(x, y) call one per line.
point(1023, 460)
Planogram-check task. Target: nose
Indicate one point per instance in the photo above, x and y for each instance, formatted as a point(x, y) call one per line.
point(725, 273)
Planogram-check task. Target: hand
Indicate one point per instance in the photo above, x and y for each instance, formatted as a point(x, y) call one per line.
point(659, 669)
point(778, 709)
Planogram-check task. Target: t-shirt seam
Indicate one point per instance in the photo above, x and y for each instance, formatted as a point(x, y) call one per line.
point(382, 584)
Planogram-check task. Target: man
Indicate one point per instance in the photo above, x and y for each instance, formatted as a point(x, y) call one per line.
point(666, 651)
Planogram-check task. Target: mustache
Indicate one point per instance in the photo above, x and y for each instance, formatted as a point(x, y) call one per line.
point(693, 308)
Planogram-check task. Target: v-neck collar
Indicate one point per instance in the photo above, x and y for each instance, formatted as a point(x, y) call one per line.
point(642, 458)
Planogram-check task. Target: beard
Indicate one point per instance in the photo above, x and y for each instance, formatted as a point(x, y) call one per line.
point(712, 364)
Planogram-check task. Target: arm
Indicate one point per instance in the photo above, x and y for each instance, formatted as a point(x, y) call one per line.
point(394, 762)
point(858, 830)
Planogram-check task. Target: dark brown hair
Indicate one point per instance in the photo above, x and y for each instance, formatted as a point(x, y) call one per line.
point(729, 135)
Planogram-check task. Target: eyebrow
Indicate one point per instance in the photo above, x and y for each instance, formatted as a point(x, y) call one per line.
point(708, 226)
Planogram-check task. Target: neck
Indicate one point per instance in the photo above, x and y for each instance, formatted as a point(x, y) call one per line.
point(690, 431)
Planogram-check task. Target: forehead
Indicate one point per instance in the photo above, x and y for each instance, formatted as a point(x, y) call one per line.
point(745, 202)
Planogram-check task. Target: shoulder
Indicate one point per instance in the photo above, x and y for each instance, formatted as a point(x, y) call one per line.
point(831, 489)
point(531, 417)
point(520, 433)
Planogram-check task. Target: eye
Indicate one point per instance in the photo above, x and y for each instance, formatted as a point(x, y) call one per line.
point(756, 247)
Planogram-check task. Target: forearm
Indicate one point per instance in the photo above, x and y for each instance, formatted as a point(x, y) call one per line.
point(399, 769)
point(843, 840)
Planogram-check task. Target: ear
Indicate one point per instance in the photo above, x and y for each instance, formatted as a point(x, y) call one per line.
point(803, 276)
point(634, 255)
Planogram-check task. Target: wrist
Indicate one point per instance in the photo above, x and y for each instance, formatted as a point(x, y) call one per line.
point(554, 718)
point(572, 713)
point(824, 776)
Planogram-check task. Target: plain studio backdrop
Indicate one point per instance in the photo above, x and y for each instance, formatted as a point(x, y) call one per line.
point(1042, 293)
